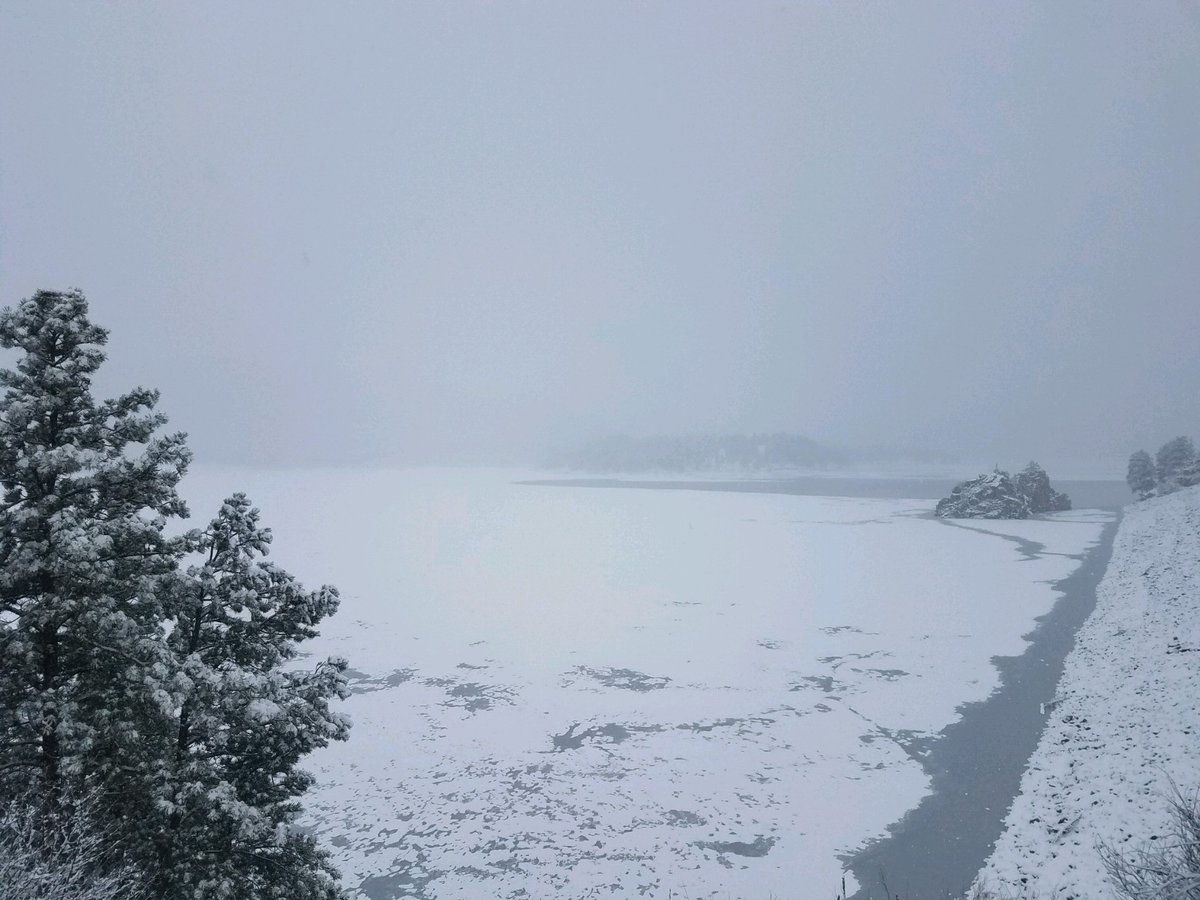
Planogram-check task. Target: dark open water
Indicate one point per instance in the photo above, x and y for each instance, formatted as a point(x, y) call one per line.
point(976, 763)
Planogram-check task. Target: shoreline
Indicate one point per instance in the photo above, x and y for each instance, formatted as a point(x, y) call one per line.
point(1121, 740)
point(1094, 494)
point(976, 765)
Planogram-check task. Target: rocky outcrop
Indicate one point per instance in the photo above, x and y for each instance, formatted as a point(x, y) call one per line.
point(990, 496)
point(998, 495)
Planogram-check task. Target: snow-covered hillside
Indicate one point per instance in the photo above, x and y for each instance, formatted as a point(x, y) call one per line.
point(578, 692)
point(1128, 718)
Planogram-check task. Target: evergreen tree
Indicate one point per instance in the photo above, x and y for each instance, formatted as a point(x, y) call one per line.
point(1033, 484)
point(161, 696)
point(1189, 473)
point(1140, 476)
point(227, 798)
point(1175, 464)
point(86, 489)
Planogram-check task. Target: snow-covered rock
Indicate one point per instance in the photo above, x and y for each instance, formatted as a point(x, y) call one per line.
point(990, 496)
point(998, 495)
point(1127, 721)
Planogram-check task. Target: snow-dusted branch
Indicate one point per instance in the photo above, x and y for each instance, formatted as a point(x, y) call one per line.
point(61, 855)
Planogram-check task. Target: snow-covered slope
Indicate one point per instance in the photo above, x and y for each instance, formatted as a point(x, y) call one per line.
point(1128, 718)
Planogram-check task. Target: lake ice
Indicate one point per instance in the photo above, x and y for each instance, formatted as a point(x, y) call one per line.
point(607, 692)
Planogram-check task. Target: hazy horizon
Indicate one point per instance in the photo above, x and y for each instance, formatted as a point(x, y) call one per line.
point(467, 233)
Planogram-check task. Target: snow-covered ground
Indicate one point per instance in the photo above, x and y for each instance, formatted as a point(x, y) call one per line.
point(1128, 720)
point(588, 692)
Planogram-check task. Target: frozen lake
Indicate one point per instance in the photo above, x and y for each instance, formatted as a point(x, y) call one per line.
point(637, 692)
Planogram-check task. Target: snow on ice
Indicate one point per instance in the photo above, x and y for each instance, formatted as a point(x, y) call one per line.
point(637, 692)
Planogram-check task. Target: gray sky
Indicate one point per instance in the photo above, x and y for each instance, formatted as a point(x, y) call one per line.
point(412, 232)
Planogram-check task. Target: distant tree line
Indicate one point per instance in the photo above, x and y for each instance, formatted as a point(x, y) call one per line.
point(1174, 467)
point(701, 453)
point(152, 714)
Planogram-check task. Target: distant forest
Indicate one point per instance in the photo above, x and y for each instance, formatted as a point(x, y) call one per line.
point(702, 453)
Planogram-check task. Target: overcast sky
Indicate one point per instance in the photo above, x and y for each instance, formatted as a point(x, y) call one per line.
point(353, 232)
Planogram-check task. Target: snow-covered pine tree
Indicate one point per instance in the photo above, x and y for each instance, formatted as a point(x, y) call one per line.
point(1174, 462)
point(245, 717)
point(1140, 476)
point(86, 487)
point(1033, 484)
point(62, 853)
point(1189, 474)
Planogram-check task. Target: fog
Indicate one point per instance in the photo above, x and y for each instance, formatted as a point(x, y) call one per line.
point(352, 233)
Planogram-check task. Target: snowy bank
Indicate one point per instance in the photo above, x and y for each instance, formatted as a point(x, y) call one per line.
point(1126, 719)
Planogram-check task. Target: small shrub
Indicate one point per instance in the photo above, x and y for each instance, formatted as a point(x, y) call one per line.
point(1167, 868)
